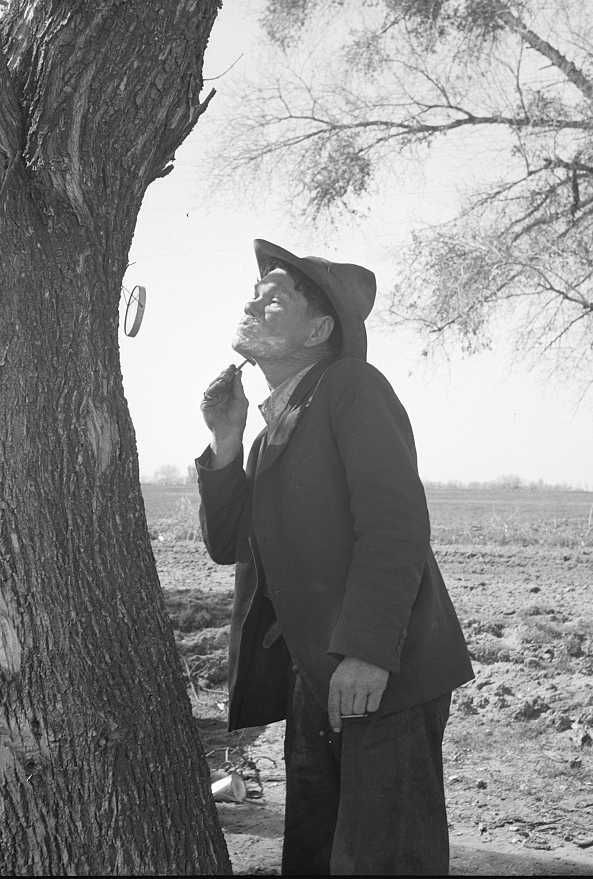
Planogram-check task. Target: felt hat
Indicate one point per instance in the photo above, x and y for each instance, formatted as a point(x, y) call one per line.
point(350, 288)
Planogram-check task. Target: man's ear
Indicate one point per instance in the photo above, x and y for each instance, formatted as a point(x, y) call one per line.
point(321, 330)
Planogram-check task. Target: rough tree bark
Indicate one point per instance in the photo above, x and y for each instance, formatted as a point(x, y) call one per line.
point(101, 769)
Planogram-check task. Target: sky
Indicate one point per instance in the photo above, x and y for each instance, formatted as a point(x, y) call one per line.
point(474, 418)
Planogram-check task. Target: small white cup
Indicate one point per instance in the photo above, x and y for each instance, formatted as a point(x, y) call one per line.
point(230, 789)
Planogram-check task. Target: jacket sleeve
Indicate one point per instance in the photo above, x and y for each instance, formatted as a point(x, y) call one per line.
point(389, 514)
point(223, 497)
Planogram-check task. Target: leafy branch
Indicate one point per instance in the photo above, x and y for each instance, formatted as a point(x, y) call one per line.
point(410, 76)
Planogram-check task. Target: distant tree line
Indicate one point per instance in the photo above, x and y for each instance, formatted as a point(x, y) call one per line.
point(169, 474)
point(506, 481)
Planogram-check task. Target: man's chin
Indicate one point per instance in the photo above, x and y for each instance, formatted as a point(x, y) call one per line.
point(242, 346)
point(270, 348)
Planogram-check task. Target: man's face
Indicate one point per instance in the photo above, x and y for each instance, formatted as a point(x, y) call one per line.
point(277, 321)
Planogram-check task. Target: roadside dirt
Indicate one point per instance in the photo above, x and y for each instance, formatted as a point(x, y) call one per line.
point(519, 745)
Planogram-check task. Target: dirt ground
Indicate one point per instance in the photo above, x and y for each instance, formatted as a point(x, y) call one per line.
point(518, 749)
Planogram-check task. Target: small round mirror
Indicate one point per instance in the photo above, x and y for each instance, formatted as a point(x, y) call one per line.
point(135, 304)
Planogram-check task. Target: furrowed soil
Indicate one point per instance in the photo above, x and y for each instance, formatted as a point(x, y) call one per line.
point(518, 748)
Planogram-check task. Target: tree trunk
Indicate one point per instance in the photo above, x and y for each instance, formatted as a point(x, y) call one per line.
point(101, 768)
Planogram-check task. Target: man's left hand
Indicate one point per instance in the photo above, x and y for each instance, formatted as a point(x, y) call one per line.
point(356, 688)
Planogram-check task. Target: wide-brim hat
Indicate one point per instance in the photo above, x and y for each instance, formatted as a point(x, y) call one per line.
point(351, 289)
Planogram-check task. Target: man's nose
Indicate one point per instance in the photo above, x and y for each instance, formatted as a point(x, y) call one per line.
point(252, 308)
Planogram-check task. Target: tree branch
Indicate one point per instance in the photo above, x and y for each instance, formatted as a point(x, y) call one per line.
point(394, 130)
point(568, 68)
point(565, 329)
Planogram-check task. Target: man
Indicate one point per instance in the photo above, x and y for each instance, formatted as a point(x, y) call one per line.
point(341, 621)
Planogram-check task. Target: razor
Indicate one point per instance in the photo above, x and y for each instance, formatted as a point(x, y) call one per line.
point(221, 386)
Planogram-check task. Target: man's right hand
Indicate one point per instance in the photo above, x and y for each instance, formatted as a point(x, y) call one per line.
point(224, 407)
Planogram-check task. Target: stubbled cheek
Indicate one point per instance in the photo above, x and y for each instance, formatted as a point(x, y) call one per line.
point(262, 339)
point(268, 347)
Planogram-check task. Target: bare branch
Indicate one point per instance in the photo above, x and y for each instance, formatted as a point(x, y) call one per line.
point(568, 68)
point(397, 128)
point(225, 71)
point(570, 165)
point(565, 329)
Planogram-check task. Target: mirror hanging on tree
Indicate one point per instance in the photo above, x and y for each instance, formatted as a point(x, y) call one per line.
point(135, 305)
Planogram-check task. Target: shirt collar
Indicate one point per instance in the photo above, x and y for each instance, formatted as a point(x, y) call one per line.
point(273, 406)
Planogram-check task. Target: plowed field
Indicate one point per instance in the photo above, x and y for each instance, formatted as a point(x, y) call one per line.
point(519, 744)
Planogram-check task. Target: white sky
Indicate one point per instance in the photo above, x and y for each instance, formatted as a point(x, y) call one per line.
point(474, 418)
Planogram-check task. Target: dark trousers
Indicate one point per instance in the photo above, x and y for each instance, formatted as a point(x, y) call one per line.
point(369, 800)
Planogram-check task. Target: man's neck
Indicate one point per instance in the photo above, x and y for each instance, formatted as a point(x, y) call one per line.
point(279, 371)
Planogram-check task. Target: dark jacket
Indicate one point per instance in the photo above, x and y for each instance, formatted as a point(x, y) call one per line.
point(333, 526)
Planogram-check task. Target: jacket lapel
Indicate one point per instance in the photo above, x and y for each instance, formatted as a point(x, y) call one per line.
point(299, 401)
point(256, 454)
